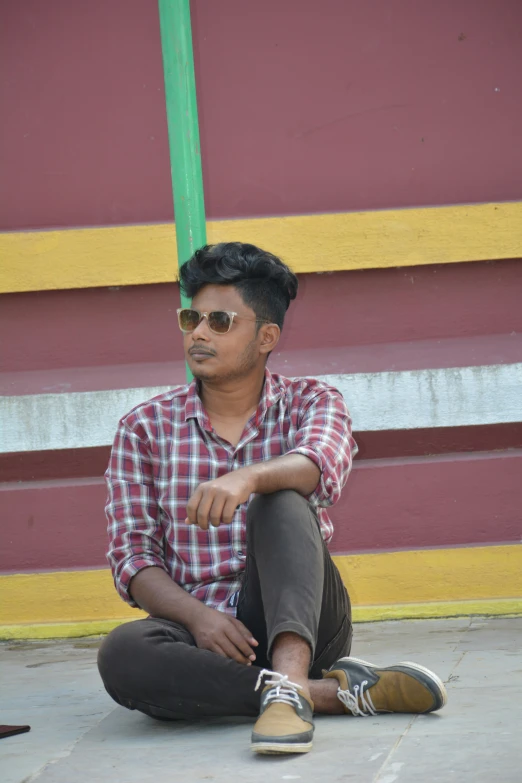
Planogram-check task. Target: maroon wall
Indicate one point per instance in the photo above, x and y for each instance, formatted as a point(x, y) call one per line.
point(305, 106)
point(473, 306)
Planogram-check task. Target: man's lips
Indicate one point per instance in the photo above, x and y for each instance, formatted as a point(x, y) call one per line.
point(200, 352)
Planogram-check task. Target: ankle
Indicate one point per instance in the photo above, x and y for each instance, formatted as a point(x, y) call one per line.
point(324, 696)
point(303, 682)
point(297, 678)
point(291, 657)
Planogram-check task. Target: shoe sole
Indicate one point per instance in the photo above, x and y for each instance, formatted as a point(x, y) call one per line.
point(275, 748)
point(410, 665)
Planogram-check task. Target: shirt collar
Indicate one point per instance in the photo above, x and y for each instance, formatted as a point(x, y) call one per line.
point(270, 395)
point(194, 407)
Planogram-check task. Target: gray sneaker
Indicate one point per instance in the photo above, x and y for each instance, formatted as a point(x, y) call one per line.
point(366, 689)
point(285, 723)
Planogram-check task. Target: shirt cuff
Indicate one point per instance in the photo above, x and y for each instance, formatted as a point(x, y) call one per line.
point(132, 567)
point(321, 492)
point(309, 452)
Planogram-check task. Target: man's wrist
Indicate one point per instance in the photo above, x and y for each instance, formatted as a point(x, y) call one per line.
point(195, 611)
point(253, 475)
point(290, 471)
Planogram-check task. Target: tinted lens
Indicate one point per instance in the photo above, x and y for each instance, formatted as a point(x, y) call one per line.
point(219, 321)
point(188, 320)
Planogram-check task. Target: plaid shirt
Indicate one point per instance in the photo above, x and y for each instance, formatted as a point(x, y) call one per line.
point(166, 447)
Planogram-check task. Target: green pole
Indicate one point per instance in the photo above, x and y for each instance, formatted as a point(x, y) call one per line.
point(182, 120)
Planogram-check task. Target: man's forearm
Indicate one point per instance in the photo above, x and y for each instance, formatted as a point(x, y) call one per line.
point(215, 502)
point(292, 471)
point(156, 593)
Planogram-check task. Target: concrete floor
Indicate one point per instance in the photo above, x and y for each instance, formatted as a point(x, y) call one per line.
point(79, 735)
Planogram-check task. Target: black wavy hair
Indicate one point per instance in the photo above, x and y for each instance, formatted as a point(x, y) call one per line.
point(265, 283)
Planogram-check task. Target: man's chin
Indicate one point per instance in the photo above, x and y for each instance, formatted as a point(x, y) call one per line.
point(202, 373)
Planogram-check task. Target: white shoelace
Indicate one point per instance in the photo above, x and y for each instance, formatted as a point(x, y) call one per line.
point(282, 690)
point(351, 701)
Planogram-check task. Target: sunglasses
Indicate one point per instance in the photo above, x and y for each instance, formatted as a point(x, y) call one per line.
point(219, 321)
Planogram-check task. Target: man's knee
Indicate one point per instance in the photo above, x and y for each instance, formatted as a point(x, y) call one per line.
point(270, 509)
point(268, 513)
point(121, 646)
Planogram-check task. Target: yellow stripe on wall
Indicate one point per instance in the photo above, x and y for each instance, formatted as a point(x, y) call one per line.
point(68, 596)
point(424, 575)
point(360, 614)
point(137, 254)
point(393, 585)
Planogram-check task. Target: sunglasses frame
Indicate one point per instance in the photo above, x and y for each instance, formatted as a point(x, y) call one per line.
point(202, 314)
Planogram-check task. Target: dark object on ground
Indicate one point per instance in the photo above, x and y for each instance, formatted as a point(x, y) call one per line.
point(10, 731)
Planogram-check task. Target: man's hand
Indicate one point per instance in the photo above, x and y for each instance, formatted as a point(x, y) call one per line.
point(222, 634)
point(214, 502)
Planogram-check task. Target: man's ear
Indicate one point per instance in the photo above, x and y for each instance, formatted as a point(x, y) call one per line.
point(269, 337)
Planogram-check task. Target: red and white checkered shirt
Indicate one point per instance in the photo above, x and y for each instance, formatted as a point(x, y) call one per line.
point(166, 447)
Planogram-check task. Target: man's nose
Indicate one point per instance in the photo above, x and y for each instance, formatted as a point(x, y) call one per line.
point(201, 332)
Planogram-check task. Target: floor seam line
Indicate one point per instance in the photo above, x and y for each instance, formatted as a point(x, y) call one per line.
point(64, 754)
point(393, 749)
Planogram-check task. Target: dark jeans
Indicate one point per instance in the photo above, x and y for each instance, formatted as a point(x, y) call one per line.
point(290, 584)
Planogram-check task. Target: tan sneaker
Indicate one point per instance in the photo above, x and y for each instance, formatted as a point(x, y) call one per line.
point(365, 689)
point(285, 723)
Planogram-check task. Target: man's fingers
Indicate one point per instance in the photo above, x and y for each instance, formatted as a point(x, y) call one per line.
point(203, 509)
point(222, 510)
point(245, 633)
point(214, 502)
point(206, 507)
point(216, 511)
point(192, 506)
point(227, 650)
point(219, 650)
point(231, 651)
point(229, 509)
point(240, 643)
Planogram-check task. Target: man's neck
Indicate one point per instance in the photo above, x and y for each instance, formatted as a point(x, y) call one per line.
point(234, 399)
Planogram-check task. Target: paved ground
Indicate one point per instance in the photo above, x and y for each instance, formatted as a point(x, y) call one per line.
point(78, 735)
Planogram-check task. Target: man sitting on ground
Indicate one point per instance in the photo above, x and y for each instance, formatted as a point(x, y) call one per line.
point(218, 529)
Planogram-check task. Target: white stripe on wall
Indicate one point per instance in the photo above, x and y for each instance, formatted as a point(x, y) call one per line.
point(378, 401)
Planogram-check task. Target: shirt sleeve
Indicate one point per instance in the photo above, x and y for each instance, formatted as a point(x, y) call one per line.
point(135, 532)
point(324, 435)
